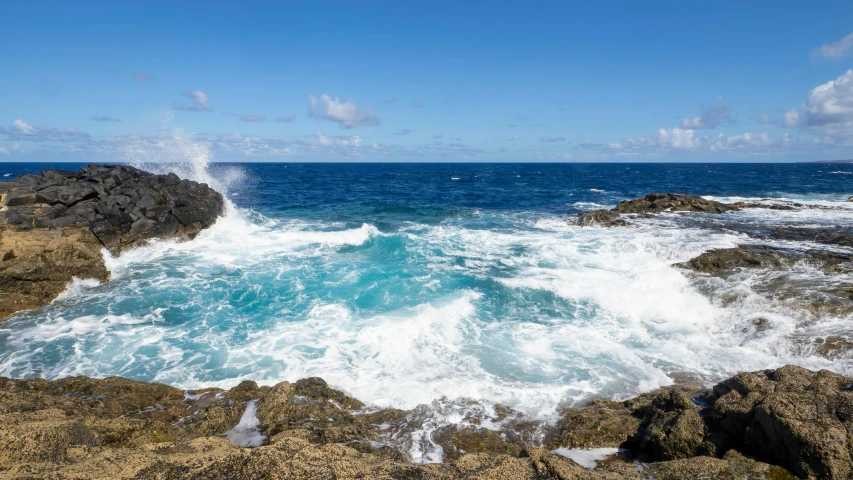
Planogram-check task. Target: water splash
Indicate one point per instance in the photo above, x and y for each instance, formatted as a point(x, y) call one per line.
point(184, 154)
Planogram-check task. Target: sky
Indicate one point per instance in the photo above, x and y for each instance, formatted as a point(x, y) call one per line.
point(430, 81)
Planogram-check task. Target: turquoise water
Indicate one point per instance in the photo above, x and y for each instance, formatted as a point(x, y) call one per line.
point(405, 284)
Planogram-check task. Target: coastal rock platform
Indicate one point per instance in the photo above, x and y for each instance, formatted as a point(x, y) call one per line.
point(774, 424)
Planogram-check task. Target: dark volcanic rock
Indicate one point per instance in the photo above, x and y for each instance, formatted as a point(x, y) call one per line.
point(727, 260)
point(652, 203)
point(818, 235)
point(730, 259)
point(53, 225)
point(603, 218)
point(675, 202)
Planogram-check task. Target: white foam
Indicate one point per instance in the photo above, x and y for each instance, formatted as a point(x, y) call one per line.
point(77, 287)
point(247, 433)
point(586, 457)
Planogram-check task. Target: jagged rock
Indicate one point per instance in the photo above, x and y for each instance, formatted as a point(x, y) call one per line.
point(457, 442)
point(792, 417)
point(117, 428)
point(676, 202)
point(727, 260)
point(603, 218)
point(730, 259)
point(819, 235)
point(599, 424)
point(672, 428)
point(652, 203)
point(57, 223)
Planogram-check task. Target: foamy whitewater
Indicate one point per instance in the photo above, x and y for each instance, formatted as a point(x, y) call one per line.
point(432, 284)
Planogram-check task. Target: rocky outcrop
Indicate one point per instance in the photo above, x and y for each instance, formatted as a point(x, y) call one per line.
point(728, 260)
point(652, 203)
point(673, 202)
point(774, 424)
point(54, 224)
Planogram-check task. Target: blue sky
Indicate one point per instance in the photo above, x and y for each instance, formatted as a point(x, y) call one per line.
point(428, 81)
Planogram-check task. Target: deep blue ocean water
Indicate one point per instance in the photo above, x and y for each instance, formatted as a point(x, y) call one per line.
point(406, 284)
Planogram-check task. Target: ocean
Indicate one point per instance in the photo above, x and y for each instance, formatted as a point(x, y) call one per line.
point(451, 285)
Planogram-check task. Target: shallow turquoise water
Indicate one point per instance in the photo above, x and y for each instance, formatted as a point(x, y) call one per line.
point(403, 284)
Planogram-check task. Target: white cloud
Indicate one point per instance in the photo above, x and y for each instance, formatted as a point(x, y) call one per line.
point(23, 127)
point(347, 115)
point(199, 102)
point(836, 50)
point(285, 119)
point(827, 111)
point(253, 117)
point(676, 138)
point(709, 118)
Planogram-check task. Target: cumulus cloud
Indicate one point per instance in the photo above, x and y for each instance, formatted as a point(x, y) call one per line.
point(675, 138)
point(827, 110)
point(835, 50)
point(105, 118)
point(549, 139)
point(199, 102)
point(23, 127)
point(346, 115)
point(140, 77)
point(253, 117)
point(285, 119)
point(708, 118)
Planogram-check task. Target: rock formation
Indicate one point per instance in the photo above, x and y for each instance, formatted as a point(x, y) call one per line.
point(774, 424)
point(652, 203)
point(53, 225)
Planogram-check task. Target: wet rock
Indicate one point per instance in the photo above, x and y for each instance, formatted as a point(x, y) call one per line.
point(675, 202)
point(57, 223)
point(818, 235)
point(730, 259)
point(456, 442)
point(652, 203)
point(602, 218)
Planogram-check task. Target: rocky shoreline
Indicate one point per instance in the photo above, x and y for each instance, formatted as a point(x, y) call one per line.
point(54, 225)
point(774, 424)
